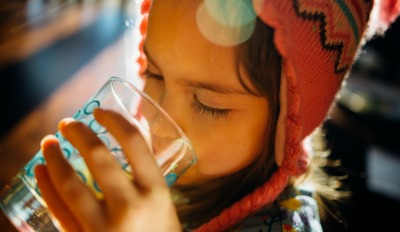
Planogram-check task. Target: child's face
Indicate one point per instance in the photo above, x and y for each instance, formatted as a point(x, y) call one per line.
point(200, 89)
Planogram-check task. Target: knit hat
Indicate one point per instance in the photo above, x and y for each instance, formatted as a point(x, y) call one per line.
point(318, 41)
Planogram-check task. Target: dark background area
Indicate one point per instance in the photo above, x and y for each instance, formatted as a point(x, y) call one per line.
point(363, 136)
point(54, 55)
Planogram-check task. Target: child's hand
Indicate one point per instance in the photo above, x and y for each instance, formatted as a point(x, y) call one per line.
point(142, 204)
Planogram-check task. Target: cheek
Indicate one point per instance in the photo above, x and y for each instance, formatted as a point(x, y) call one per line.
point(229, 146)
point(226, 151)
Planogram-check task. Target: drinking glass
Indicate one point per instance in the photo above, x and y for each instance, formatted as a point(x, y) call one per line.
point(21, 200)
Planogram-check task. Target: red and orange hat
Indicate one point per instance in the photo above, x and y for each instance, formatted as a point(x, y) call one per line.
point(318, 41)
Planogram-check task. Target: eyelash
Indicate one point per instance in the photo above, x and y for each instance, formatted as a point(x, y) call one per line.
point(196, 104)
point(151, 75)
point(209, 111)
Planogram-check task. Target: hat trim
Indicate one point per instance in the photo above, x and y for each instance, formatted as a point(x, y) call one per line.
point(294, 159)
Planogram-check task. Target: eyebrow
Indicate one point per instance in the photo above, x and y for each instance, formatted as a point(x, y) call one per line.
point(214, 87)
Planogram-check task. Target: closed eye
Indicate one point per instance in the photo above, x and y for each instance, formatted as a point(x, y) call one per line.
point(198, 106)
point(208, 110)
point(151, 75)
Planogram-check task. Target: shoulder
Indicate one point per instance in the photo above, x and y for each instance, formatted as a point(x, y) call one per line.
point(296, 210)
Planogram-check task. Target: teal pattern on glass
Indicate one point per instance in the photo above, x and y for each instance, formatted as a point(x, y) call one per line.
point(171, 178)
point(85, 115)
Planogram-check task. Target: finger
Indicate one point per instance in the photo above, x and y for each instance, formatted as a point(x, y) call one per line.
point(102, 165)
point(78, 198)
point(55, 204)
point(144, 167)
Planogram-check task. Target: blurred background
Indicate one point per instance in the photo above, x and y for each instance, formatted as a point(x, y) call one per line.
point(362, 134)
point(54, 54)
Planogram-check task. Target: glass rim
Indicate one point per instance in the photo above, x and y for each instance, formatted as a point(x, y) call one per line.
point(144, 95)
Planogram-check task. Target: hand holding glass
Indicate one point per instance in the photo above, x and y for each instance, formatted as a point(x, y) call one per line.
point(21, 200)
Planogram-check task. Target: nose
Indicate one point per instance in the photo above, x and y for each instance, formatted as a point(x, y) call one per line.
point(169, 100)
point(174, 108)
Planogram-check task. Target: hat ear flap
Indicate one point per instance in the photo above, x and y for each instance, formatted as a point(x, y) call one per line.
point(280, 133)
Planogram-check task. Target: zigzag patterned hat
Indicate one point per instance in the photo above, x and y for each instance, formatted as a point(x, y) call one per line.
point(318, 41)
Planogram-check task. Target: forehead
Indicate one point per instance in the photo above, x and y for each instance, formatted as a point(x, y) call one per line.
point(173, 39)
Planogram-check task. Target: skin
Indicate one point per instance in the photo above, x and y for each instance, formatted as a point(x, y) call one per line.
point(223, 144)
point(192, 79)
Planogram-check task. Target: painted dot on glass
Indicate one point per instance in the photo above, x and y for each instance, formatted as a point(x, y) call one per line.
point(117, 149)
point(171, 178)
point(80, 174)
point(117, 152)
point(125, 166)
point(96, 186)
point(91, 106)
point(67, 151)
point(76, 115)
point(60, 138)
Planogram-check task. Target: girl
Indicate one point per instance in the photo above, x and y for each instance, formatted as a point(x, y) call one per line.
point(247, 81)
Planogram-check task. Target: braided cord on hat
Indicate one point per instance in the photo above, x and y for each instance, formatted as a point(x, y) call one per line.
point(250, 203)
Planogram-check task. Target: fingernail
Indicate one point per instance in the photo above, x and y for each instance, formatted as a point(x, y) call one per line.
point(97, 110)
point(40, 171)
point(45, 138)
point(64, 122)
